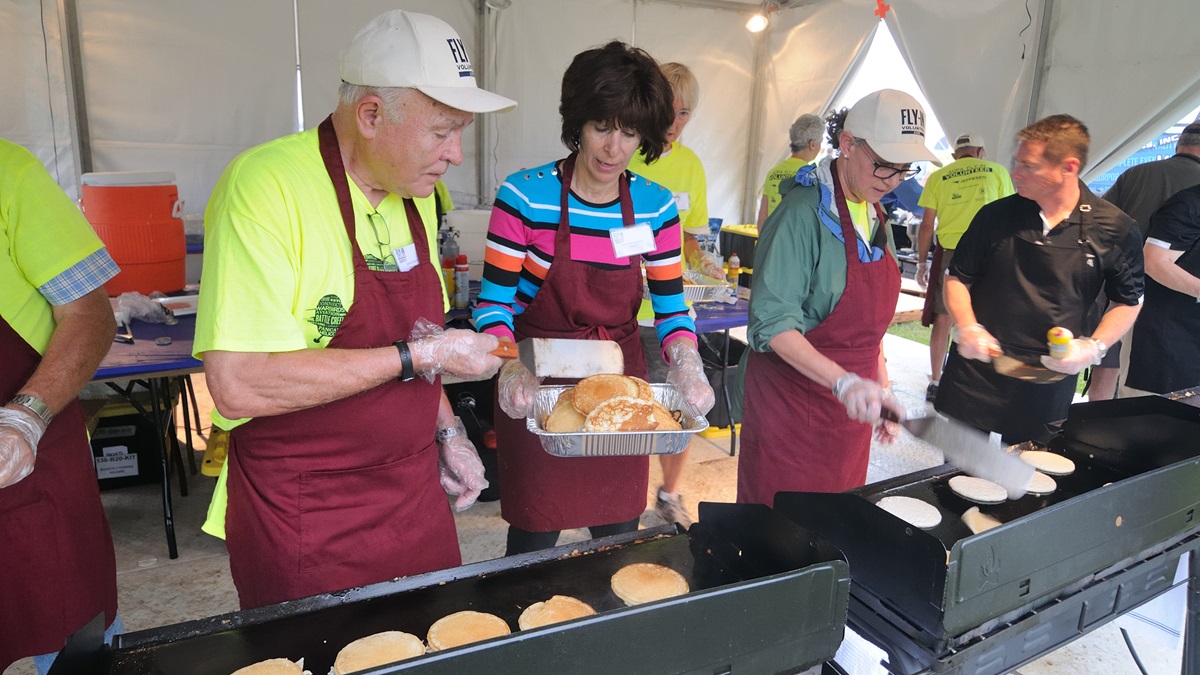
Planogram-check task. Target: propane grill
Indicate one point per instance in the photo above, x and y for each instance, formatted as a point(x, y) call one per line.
point(1109, 538)
point(765, 597)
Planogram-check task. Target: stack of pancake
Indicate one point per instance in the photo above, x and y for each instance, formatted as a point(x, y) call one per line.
point(605, 403)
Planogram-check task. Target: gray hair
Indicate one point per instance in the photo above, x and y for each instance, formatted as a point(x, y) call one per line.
point(1190, 137)
point(805, 129)
point(393, 97)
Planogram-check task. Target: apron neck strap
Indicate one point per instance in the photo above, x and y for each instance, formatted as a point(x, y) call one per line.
point(568, 170)
point(849, 233)
point(331, 155)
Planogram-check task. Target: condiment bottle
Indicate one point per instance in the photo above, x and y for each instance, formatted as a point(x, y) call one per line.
point(448, 275)
point(735, 267)
point(462, 282)
point(1058, 339)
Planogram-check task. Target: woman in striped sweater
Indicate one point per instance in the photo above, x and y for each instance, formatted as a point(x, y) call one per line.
point(565, 249)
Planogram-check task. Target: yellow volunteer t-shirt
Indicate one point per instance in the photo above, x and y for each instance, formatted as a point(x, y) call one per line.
point(681, 172)
point(278, 272)
point(785, 170)
point(42, 234)
point(958, 190)
point(860, 215)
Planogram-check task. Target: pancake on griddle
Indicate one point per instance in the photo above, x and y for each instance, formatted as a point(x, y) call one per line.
point(911, 510)
point(274, 667)
point(592, 391)
point(556, 609)
point(646, 582)
point(978, 489)
point(978, 522)
point(1048, 462)
point(1041, 484)
point(376, 650)
point(621, 413)
point(465, 627)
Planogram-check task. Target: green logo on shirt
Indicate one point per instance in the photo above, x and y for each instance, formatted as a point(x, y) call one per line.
point(328, 316)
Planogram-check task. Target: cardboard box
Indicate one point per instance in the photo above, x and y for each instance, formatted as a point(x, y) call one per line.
point(125, 451)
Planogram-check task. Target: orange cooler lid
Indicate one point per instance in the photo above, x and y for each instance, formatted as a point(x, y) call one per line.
point(115, 178)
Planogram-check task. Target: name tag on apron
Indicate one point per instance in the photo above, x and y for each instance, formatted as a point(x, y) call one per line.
point(406, 258)
point(632, 240)
point(683, 201)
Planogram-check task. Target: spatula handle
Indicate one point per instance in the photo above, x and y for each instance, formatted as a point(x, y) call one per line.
point(506, 350)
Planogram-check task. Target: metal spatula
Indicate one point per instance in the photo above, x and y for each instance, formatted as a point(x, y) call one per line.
point(1011, 366)
point(562, 357)
point(968, 449)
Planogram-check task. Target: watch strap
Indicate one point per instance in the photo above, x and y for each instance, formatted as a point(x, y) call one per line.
point(406, 363)
point(35, 405)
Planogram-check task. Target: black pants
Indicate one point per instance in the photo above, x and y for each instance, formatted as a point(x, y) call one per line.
point(524, 541)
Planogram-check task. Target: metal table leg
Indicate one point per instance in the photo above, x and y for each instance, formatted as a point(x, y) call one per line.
point(168, 511)
point(725, 391)
point(1191, 630)
point(185, 386)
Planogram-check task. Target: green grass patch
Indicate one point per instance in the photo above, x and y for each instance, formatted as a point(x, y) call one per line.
point(911, 330)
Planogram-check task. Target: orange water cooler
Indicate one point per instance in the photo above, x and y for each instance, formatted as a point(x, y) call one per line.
point(136, 214)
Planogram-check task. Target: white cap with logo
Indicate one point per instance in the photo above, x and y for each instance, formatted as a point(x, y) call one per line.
point(968, 140)
point(893, 124)
point(406, 49)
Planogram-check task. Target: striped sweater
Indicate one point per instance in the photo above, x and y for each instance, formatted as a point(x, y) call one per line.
point(520, 248)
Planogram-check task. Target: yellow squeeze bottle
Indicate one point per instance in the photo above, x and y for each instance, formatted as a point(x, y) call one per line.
point(1058, 338)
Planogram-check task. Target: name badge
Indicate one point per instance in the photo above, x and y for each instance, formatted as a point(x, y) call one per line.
point(630, 241)
point(406, 258)
point(683, 201)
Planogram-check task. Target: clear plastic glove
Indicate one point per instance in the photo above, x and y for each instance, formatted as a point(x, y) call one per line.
point(1081, 353)
point(686, 373)
point(516, 389)
point(865, 399)
point(19, 435)
point(459, 466)
point(922, 276)
point(708, 264)
point(461, 353)
point(974, 342)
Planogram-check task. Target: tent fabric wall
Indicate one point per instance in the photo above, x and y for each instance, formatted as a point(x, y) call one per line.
point(33, 110)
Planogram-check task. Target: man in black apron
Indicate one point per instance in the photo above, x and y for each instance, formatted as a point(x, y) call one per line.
point(1028, 263)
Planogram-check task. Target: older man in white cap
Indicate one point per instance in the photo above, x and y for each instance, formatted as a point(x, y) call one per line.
point(952, 196)
point(825, 287)
point(322, 304)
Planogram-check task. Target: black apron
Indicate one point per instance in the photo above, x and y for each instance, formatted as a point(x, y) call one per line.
point(1033, 283)
point(1165, 354)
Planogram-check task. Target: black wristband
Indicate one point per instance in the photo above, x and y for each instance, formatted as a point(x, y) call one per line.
point(406, 364)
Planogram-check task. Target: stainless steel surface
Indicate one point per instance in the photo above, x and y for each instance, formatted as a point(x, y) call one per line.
point(559, 357)
point(596, 444)
point(969, 450)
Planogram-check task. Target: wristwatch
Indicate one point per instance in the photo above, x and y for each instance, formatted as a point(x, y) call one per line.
point(1101, 348)
point(35, 405)
point(406, 363)
point(448, 432)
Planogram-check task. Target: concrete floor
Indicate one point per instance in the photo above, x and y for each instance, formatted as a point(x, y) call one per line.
point(156, 591)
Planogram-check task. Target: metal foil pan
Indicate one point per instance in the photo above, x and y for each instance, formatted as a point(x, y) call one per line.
point(614, 444)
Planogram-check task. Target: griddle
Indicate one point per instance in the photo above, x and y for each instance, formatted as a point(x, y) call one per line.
point(765, 596)
point(1132, 496)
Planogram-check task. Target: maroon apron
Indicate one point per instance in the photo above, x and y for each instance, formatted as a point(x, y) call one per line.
point(348, 493)
point(543, 493)
point(796, 435)
point(56, 552)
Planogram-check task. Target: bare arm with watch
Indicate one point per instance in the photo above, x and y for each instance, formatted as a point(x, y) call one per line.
point(1089, 351)
point(252, 384)
point(84, 330)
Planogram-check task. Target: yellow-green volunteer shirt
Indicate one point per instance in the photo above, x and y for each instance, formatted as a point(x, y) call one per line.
point(958, 190)
point(785, 170)
point(681, 172)
point(42, 234)
point(278, 272)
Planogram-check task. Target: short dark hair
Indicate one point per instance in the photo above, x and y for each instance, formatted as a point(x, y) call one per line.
point(620, 84)
point(1190, 137)
point(1063, 135)
point(835, 124)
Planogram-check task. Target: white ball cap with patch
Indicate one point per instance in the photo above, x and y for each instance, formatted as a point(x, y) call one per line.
point(893, 124)
point(406, 49)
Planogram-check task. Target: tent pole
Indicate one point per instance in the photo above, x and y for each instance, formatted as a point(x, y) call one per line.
point(1039, 65)
point(754, 134)
point(81, 148)
point(482, 38)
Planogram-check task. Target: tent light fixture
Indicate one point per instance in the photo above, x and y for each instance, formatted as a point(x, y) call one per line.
point(762, 18)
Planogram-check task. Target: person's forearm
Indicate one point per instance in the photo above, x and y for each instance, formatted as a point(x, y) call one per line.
point(445, 413)
point(82, 336)
point(691, 245)
point(1160, 266)
point(799, 353)
point(262, 384)
point(958, 302)
point(882, 375)
point(1116, 322)
point(925, 235)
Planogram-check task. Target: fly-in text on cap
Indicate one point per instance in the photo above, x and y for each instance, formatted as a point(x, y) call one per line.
point(912, 121)
point(459, 53)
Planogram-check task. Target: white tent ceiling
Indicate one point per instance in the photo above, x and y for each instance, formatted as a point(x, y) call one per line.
point(185, 86)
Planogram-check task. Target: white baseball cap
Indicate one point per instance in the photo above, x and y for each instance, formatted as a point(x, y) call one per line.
point(968, 140)
point(893, 123)
point(406, 49)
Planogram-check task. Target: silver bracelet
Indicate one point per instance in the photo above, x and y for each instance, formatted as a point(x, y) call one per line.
point(443, 435)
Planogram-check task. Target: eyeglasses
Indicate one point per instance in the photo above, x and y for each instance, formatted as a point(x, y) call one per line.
point(885, 171)
point(385, 242)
